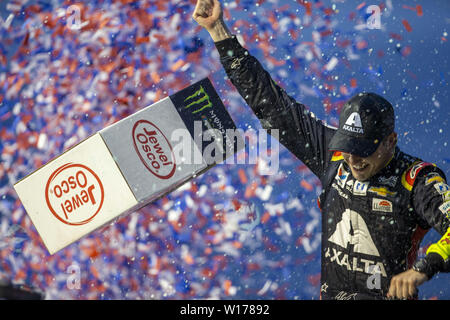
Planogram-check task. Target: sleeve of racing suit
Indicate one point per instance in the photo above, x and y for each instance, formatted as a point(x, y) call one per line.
point(431, 199)
point(299, 130)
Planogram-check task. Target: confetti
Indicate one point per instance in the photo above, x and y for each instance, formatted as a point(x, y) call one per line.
point(407, 25)
point(229, 233)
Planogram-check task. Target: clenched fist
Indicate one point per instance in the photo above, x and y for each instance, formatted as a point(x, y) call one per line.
point(209, 15)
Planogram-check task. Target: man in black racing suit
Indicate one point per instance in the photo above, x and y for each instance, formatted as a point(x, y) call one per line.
point(377, 202)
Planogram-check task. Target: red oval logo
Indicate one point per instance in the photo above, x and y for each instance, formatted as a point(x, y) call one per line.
point(74, 194)
point(154, 149)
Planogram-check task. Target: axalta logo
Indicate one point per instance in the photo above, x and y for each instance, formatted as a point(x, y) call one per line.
point(154, 149)
point(353, 123)
point(198, 101)
point(352, 230)
point(74, 194)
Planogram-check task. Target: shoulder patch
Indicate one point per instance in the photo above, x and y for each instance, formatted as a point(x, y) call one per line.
point(337, 155)
point(410, 175)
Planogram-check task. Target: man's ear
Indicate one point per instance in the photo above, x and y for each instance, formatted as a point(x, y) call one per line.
point(391, 140)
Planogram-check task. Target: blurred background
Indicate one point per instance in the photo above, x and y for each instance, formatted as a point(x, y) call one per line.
point(70, 68)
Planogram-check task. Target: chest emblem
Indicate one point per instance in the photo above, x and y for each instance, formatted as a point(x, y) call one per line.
point(341, 176)
point(381, 205)
point(382, 191)
point(360, 188)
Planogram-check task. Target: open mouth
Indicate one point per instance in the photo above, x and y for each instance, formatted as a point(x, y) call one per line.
point(360, 168)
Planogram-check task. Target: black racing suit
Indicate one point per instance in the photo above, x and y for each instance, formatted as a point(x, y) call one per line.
point(371, 230)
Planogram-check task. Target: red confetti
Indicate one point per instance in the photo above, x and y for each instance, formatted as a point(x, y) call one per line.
point(242, 176)
point(395, 36)
point(307, 5)
point(360, 5)
point(134, 52)
point(265, 217)
point(419, 10)
point(306, 185)
point(407, 25)
point(406, 51)
point(362, 44)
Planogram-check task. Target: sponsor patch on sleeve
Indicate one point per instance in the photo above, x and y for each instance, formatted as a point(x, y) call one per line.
point(446, 196)
point(445, 209)
point(410, 175)
point(441, 187)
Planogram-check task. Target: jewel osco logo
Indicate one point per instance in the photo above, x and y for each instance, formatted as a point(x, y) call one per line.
point(154, 149)
point(74, 194)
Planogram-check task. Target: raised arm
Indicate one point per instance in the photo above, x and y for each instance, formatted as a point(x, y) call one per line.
point(299, 130)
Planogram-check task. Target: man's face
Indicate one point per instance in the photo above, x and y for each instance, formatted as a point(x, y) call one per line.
point(365, 168)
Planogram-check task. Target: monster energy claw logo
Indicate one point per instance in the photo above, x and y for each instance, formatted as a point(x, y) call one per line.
point(202, 97)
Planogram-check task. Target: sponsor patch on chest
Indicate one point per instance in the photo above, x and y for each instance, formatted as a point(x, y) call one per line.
point(360, 188)
point(341, 176)
point(382, 205)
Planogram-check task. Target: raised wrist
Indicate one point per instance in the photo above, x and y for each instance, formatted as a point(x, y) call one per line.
point(219, 31)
